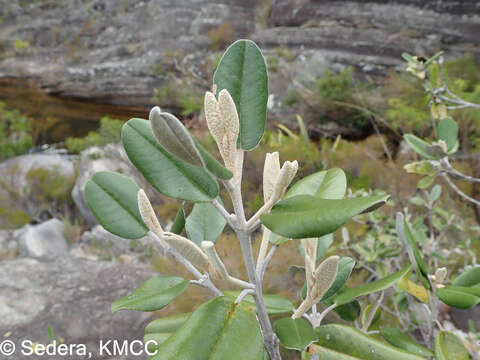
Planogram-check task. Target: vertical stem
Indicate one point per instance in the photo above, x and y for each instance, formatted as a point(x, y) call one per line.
point(244, 236)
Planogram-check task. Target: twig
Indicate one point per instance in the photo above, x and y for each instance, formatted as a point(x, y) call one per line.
point(458, 191)
point(455, 173)
point(243, 294)
point(204, 280)
point(229, 217)
point(267, 261)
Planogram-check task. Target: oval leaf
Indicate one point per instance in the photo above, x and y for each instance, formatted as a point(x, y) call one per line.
point(421, 147)
point(306, 216)
point(403, 341)
point(217, 329)
point(174, 137)
point(459, 296)
point(345, 267)
point(329, 184)
point(352, 342)
point(243, 72)
point(169, 175)
point(154, 294)
point(449, 347)
point(112, 197)
point(470, 277)
point(447, 131)
point(204, 223)
point(168, 324)
point(295, 334)
point(378, 285)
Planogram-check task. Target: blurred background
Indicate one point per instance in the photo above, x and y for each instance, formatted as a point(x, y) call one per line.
point(73, 71)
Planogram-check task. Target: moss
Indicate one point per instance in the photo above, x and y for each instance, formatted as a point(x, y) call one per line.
point(221, 36)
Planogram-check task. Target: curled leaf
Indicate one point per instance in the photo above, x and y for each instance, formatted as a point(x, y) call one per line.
point(188, 249)
point(148, 214)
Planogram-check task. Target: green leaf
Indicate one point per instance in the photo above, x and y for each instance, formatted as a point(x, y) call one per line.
point(416, 258)
point(378, 285)
point(459, 296)
point(204, 223)
point(345, 267)
point(324, 243)
point(352, 343)
point(420, 146)
point(295, 334)
point(447, 130)
point(212, 164)
point(417, 201)
point(349, 311)
point(154, 294)
point(113, 200)
point(168, 324)
point(159, 330)
point(470, 277)
point(409, 58)
point(449, 347)
point(169, 175)
point(306, 216)
point(275, 304)
point(425, 182)
point(243, 72)
point(329, 184)
point(179, 222)
point(217, 329)
point(435, 193)
point(174, 137)
point(403, 341)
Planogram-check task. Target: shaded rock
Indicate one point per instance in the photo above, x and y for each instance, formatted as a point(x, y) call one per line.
point(8, 245)
point(22, 179)
point(105, 245)
point(44, 240)
point(71, 295)
point(461, 317)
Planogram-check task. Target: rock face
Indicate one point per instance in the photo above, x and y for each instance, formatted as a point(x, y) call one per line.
point(72, 296)
point(118, 51)
point(46, 240)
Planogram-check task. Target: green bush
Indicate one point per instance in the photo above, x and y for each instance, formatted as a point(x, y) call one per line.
point(15, 133)
point(109, 132)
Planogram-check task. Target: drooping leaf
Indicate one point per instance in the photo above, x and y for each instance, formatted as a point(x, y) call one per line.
point(324, 243)
point(449, 347)
point(416, 258)
point(179, 222)
point(378, 285)
point(112, 198)
point(470, 277)
point(174, 137)
point(447, 130)
point(295, 334)
point(329, 184)
point(419, 146)
point(243, 72)
point(350, 343)
point(154, 294)
point(459, 296)
point(217, 329)
point(275, 304)
point(404, 284)
point(403, 341)
point(306, 216)
point(345, 267)
point(204, 223)
point(169, 175)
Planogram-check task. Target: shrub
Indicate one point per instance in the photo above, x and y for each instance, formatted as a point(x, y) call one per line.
point(15, 133)
point(108, 132)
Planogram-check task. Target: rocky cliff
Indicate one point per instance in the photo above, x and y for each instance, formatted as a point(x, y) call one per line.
point(117, 52)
